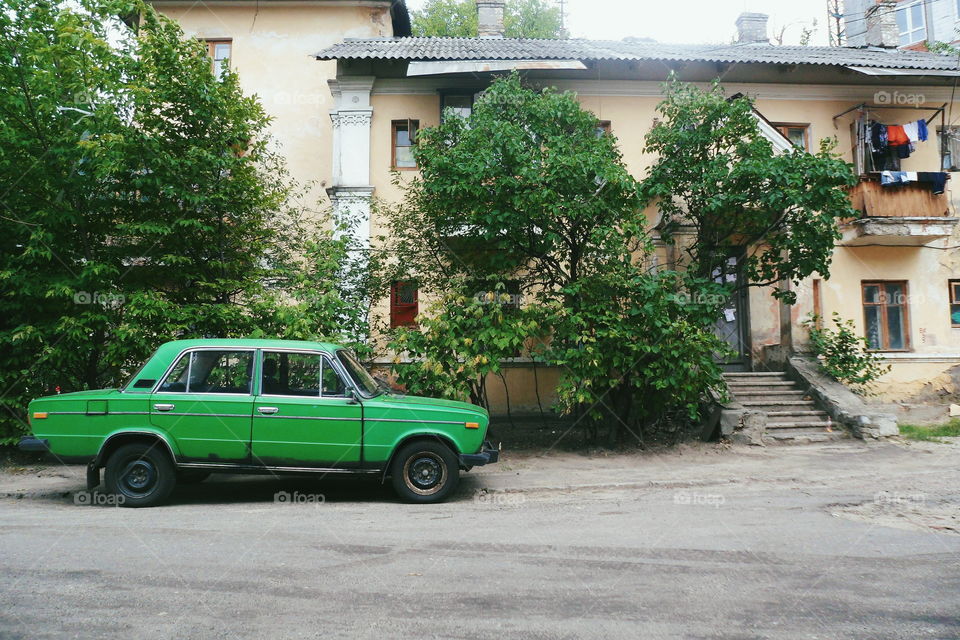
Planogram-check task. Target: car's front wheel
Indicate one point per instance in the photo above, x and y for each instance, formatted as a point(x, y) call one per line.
point(140, 475)
point(425, 471)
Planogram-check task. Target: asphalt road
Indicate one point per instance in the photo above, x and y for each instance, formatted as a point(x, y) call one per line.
point(864, 549)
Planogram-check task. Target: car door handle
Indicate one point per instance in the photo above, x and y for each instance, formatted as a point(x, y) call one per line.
point(163, 407)
point(267, 410)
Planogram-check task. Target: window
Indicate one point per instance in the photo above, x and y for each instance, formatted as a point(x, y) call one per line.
point(885, 315)
point(911, 23)
point(219, 52)
point(404, 136)
point(951, 147)
point(403, 304)
point(299, 374)
point(211, 372)
point(603, 128)
point(795, 133)
point(360, 376)
point(954, 303)
point(460, 105)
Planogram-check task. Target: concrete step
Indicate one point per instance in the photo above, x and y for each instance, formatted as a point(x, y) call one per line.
point(808, 424)
point(815, 413)
point(753, 383)
point(777, 405)
point(805, 435)
point(772, 395)
point(763, 391)
point(752, 374)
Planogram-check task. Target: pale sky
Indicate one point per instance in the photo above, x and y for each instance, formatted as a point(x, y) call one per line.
point(686, 21)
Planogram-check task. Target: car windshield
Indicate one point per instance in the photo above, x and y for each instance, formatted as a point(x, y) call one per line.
point(364, 381)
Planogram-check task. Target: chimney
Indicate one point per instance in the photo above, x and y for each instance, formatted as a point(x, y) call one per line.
point(490, 18)
point(752, 28)
point(881, 24)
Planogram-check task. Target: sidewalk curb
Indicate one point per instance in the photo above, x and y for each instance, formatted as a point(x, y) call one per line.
point(646, 484)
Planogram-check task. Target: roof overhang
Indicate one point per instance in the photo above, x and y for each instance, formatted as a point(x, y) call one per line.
point(440, 67)
point(886, 71)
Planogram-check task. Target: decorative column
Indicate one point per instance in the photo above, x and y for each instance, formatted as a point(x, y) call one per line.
point(351, 190)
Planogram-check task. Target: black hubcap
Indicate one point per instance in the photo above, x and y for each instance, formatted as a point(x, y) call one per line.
point(424, 473)
point(138, 478)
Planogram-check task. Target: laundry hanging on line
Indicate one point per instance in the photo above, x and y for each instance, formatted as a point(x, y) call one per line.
point(890, 143)
point(936, 179)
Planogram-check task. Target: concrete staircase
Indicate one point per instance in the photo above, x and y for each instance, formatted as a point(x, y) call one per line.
point(792, 416)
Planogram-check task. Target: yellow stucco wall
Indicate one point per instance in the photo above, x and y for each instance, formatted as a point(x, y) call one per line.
point(271, 54)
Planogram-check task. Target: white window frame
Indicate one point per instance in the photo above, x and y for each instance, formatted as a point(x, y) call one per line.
point(906, 7)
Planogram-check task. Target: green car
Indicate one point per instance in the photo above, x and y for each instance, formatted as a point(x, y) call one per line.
point(258, 406)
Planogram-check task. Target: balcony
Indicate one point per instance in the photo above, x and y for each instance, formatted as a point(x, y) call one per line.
point(900, 215)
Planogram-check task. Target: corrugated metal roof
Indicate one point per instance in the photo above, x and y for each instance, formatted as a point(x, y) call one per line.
point(522, 49)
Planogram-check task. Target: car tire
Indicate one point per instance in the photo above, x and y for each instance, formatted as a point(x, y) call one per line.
point(425, 471)
point(140, 475)
point(191, 476)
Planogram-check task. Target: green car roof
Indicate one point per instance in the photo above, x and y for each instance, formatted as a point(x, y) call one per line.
point(164, 355)
point(258, 343)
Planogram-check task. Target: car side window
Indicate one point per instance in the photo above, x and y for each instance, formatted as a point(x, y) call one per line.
point(290, 374)
point(333, 385)
point(176, 381)
point(309, 375)
point(211, 371)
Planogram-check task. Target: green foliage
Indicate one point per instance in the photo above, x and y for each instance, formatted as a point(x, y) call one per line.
point(525, 191)
point(142, 201)
point(934, 433)
point(461, 341)
point(844, 355)
point(717, 174)
point(458, 19)
point(638, 356)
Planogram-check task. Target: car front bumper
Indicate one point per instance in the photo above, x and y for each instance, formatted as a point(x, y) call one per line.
point(29, 443)
point(488, 455)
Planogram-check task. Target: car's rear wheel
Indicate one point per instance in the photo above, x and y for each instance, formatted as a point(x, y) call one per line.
point(140, 475)
point(425, 471)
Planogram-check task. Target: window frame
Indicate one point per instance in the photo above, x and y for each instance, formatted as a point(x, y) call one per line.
point(906, 7)
point(905, 306)
point(954, 300)
point(211, 53)
point(189, 352)
point(325, 361)
point(409, 123)
point(784, 129)
point(456, 93)
point(396, 306)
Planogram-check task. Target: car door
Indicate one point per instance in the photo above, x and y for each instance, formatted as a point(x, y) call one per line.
point(205, 403)
point(302, 415)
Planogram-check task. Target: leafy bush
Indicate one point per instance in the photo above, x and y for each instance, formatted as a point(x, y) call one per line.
point(844, 355)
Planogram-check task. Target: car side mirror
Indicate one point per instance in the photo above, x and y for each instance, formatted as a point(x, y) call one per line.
point(352, 396)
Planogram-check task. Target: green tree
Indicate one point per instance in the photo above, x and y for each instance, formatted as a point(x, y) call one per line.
point(723, 191)
point(142, 199)
point(458, 19)
point(527, 191)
